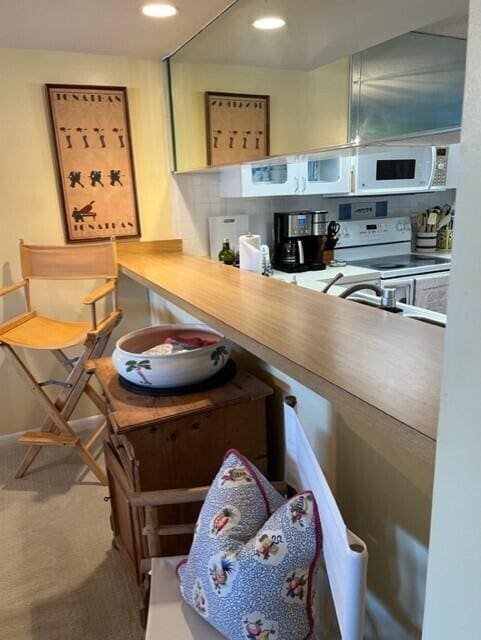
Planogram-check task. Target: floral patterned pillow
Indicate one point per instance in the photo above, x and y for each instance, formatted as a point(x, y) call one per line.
point(250, 571)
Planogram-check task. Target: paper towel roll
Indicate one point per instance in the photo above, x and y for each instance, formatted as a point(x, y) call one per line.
point(250, 256)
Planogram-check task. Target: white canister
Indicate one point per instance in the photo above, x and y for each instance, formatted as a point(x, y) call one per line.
point(426, 241)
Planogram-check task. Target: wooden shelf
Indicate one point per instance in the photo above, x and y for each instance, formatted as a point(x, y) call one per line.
point(379, 366)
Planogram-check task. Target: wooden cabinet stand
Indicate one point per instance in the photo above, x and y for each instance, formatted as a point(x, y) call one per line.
point(173, 442)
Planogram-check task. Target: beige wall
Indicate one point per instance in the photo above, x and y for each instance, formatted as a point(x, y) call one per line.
point(30, 200)
point(309, 109)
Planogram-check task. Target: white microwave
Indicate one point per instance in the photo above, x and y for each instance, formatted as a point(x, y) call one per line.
point(409, 169)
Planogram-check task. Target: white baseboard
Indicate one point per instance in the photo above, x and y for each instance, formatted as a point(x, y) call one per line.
point(77, 425)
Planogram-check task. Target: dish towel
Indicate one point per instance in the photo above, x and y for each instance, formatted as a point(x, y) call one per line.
point(346, 567)
point(432, 293)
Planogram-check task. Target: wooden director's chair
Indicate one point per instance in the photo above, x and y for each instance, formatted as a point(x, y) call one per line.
point(160, 585)
point(344, 554)
point(30, 330)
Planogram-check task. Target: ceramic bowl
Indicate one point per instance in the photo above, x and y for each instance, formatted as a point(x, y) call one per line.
point(176, 369)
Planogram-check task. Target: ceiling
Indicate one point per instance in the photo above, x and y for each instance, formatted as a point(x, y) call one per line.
point(317, 31)
point(114, 27)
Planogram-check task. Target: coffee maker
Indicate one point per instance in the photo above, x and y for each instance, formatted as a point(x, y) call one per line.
point(296, 248)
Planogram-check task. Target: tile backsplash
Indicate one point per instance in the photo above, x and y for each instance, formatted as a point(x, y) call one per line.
point(197, 197)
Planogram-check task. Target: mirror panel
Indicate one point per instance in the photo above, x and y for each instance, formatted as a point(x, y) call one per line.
point(308, 110)
point(306, 70)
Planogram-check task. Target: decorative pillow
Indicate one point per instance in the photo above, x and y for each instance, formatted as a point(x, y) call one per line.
point(250, 571)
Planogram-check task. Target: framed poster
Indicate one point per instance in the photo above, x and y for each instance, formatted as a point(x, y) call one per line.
point(94, 159)
point(237, 127)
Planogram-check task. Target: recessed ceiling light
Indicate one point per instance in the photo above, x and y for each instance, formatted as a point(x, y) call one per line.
point(159, 10)
point(268, 23)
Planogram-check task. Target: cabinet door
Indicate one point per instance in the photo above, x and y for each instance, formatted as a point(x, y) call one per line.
point(278, 177)
point(324, 174)
point(124, 520)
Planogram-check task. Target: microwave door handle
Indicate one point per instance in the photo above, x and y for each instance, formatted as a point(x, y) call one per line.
point(301, 251)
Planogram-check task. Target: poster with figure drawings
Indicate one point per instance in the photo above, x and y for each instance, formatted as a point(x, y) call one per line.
point(95, 164)
point(237, 127)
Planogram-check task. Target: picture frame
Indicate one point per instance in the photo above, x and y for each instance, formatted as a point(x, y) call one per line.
point(237, 127)
point(94, 161)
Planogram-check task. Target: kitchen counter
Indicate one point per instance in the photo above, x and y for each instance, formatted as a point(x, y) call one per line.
point(381, 367)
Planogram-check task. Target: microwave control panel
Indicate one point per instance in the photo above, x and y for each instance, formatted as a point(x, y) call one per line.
point(441, 167)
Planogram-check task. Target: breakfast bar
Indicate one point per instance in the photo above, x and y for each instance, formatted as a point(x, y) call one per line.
point(360, 359)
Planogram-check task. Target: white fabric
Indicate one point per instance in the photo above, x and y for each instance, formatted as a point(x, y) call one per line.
point(346, 568)
point(169, 616)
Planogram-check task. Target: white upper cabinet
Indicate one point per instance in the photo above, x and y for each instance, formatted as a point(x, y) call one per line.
point(278, 177)
point(310, 174)
point(324, 174)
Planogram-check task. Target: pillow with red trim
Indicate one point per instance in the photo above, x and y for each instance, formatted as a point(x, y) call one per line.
point(252, 565)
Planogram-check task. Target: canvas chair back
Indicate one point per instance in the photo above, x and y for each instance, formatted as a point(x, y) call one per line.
point(78, 262)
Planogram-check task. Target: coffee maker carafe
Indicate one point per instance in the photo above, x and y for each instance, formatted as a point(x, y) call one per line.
point(294, 242)
point(289, 253)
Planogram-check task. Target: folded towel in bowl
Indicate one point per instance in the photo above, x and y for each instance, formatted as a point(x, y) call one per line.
point(173, 345)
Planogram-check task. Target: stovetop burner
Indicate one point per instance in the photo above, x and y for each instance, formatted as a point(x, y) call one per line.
point(407, 261)
point(389, 265)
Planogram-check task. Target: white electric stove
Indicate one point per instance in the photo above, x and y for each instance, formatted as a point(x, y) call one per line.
point(384, 245)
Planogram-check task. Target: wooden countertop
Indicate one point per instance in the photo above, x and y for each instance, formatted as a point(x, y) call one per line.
point(379, 366)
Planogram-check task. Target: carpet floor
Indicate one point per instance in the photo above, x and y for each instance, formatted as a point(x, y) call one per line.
point(60, 578)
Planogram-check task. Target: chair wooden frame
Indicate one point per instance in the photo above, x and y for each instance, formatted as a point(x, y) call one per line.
point(55, 429)
point(150, 500)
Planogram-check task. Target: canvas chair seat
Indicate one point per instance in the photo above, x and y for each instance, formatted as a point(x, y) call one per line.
point(169, 615)
point(41, 332)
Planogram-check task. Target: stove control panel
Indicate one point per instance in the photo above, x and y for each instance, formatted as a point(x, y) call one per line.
point(359, 233)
